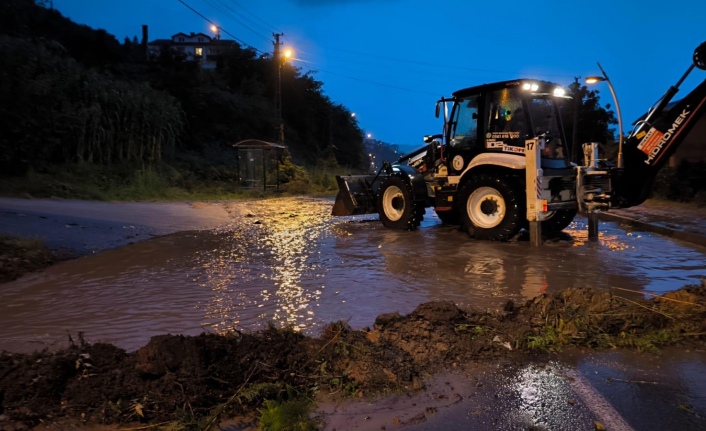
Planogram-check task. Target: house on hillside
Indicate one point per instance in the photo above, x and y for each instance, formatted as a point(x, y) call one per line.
point(197, 47)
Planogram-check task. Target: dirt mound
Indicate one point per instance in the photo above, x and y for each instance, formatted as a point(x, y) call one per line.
point(19, 256)
point(202, 378)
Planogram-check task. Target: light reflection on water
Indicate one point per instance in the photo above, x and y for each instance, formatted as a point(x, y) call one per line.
point(274, 255)
point(287, 261)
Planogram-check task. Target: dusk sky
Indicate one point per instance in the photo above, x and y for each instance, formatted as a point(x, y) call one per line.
point(390, 60)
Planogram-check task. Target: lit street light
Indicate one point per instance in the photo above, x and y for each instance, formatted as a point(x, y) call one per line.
point(217, 30)
point(593, 80)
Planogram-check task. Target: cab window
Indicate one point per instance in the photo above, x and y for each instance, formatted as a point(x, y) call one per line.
point(506, 119)
point(465, 123)
point(544, 118)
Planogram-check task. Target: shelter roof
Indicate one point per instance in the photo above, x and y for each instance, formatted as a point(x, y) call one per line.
point(251, 144)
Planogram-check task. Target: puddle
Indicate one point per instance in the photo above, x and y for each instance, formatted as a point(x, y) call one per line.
point(287, 261)
point(623, 390)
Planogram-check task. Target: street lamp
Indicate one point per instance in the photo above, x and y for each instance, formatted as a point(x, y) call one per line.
point(593, 80)
point(216, 30)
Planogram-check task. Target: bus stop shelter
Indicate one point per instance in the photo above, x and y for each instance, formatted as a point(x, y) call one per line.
point(258, 164)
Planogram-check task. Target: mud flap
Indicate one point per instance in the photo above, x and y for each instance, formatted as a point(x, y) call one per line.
point(356, 195)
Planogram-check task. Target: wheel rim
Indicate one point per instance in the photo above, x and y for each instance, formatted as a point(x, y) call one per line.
point(486, 207)
point(393, 203)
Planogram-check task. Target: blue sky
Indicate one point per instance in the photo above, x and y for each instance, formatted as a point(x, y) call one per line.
point(390, 60)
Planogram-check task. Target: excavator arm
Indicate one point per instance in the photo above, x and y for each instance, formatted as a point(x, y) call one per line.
point(655, 138)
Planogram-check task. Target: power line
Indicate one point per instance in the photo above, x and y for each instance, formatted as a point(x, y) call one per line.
point(219, 27)
point(392, 70)
point(380, 84)
point(267, 27)
point(391, 61)
point(253, 15)
point(436, 79)
point(224, 8)
point(436, 65)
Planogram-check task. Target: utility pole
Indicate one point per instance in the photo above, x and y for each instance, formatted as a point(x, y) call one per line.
point(574, 131)
point(278, 95)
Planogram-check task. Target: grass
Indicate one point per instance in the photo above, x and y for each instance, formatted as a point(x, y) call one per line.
point(161, 182)
point(290, 415)
point(142, 185)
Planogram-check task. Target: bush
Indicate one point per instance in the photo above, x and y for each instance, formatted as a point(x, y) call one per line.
point(685, 183)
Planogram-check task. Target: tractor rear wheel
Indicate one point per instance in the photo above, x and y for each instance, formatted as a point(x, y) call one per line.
point(492, 207)
point(396, 205)
point(558, 220)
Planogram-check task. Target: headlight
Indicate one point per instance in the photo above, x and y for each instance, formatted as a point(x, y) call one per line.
point(559, 92)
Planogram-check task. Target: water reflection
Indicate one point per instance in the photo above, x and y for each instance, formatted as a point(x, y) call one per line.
point(293, 241)
point(288, 262)
point(542, 398)
point(274, 249)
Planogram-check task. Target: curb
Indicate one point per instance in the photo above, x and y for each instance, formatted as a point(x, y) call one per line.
point(690, 237)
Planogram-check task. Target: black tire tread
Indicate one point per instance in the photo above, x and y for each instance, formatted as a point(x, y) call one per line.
point(509, 188)
point(413, 214)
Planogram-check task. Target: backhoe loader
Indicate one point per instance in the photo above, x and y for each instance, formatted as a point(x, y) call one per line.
point(473, 174)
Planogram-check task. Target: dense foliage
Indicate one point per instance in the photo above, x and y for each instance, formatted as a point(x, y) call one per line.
point(685, 183)
point(74, 95)
point(585, 120)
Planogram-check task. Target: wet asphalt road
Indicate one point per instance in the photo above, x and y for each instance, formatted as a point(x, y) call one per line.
point(86, 227)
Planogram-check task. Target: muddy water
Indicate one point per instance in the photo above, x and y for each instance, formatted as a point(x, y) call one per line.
point(286, 261)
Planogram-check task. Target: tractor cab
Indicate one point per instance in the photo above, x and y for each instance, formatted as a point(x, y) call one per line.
point(500, 117)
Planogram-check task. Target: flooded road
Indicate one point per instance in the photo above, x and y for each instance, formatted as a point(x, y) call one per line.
point(287, 261)
point(623, 391)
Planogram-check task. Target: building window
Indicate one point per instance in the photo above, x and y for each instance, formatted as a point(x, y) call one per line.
point(199, 52)
point(181, 39)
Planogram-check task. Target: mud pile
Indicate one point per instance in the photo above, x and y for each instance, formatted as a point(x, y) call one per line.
point(20, 256)
point(210, 376)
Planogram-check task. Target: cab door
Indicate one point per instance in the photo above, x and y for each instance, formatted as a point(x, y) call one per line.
point(465, 139)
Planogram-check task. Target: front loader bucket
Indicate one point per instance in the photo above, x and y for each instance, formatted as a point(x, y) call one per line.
point(356, 195)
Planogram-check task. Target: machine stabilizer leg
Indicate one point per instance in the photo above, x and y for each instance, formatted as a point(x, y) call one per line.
point(535, 230)
point(593, 226)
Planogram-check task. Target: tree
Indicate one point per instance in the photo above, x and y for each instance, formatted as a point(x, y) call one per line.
point(591, 121)
point(75, 94)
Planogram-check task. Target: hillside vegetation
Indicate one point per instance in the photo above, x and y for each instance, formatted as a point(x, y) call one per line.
point(86, 116)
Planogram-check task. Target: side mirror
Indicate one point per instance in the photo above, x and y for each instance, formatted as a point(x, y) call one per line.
point(438, 109)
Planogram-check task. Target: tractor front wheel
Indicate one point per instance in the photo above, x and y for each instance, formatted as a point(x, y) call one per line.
point(396, 205)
